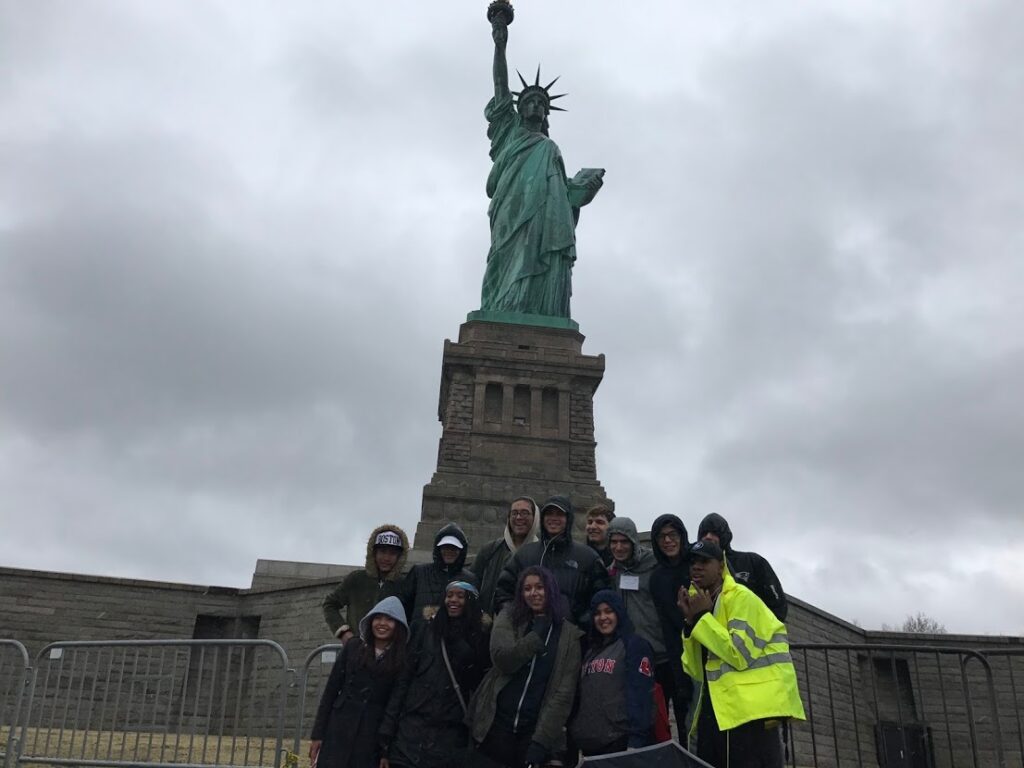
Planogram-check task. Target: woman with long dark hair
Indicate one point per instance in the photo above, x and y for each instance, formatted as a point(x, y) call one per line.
point(424, 726)
point(352, 706)
point(616, 690)
point(519, 710)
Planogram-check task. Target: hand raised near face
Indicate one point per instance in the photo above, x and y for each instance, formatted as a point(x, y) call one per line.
point(701, 601)
point(683, 603)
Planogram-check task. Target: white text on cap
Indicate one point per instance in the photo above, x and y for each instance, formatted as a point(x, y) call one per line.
point(388, 539)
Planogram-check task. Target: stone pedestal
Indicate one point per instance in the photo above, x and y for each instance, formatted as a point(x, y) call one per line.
point(517, 418)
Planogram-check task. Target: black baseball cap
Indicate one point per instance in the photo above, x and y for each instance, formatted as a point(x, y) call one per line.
point(706, 549)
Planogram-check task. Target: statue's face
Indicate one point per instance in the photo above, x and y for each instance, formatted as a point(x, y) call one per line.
point(533, 108)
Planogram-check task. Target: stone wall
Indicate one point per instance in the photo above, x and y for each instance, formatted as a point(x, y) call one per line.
point(270, 574)
point(39, 607)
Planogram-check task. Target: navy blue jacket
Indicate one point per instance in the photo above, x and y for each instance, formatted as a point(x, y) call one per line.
point(635, 697)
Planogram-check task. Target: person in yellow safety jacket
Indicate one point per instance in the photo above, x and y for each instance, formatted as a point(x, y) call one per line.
point(739, 652)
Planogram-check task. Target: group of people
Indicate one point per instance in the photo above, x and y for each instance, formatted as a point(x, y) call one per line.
point(544, 648)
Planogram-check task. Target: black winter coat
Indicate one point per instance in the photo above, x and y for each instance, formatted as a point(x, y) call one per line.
point(577, 568)
point(748, 568)
point(489, 563)
point(756, 573)
point(351, 710)
point(665, 583)
point(424, 724)
point(422, 591)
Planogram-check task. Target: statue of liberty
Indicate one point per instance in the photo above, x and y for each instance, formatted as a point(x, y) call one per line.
point(534, 206)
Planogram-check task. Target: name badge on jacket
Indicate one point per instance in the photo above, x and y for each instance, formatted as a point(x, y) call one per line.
point(629, 581)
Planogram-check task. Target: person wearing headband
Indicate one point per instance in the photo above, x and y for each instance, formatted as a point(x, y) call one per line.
point(346, 605)
point(424, 724)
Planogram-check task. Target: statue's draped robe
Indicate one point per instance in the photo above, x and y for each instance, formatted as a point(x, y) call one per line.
point(533, 242)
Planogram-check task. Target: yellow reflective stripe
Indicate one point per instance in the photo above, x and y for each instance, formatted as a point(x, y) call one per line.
point(764, 661)
point(739, 625)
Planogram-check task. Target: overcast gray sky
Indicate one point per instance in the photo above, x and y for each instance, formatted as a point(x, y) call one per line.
point(233, 237)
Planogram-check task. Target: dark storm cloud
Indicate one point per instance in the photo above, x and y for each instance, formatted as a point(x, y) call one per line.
point(232, 246)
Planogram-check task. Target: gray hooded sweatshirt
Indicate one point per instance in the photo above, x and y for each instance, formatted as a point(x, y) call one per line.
point(389, 606)
point(632, 580)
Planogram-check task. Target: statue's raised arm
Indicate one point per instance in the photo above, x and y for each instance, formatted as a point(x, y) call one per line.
point(499, 31)
point(534, 205)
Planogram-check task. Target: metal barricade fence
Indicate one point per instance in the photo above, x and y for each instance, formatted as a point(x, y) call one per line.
point(15, 670)
point(310, 683)
point(158, 703)
point(226, 703)
point(895, 706)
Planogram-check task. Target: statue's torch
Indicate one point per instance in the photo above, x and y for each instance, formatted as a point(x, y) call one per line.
point(500, 11)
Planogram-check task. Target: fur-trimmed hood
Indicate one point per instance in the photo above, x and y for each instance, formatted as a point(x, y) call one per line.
point(371, 566)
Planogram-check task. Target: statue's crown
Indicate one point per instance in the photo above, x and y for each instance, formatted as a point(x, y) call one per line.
point(543, 90)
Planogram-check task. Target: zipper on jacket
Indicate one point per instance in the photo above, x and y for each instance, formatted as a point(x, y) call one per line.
point(529, 677)
point(545, 552)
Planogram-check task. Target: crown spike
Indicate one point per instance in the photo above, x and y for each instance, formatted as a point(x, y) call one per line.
point(522, 79)
point(536, 82)
point(553, 108)
point(548, 86)
point(557, 96)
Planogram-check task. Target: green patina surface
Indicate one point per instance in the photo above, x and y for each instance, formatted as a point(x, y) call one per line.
point(534, 206)
point(523, 318)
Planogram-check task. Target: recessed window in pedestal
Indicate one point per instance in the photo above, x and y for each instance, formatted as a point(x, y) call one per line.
point(493, 396)
point(549, 408)
point(521, 405)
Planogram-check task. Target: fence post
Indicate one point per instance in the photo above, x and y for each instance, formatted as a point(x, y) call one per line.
point(303, 681)
point(16, 727)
